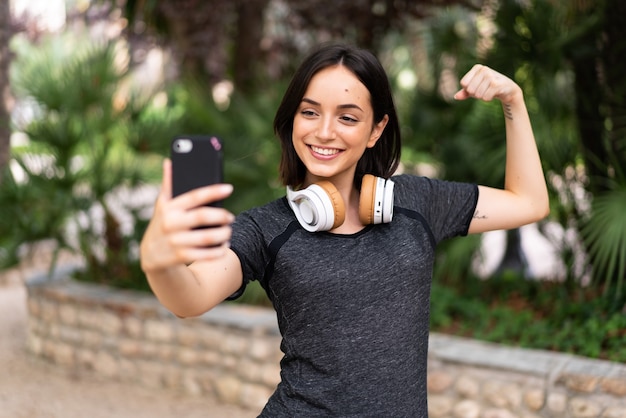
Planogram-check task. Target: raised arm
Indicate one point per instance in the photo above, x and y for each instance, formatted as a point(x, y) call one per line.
point(190, 269)
point(524, 198)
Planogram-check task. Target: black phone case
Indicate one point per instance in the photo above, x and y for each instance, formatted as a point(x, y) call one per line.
point(197, 167)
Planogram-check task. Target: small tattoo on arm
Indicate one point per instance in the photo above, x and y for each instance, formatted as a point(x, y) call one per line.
point(478, 215)
point(507, 111)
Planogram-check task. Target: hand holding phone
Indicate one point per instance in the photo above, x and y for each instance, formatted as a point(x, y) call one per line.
point(189, 228)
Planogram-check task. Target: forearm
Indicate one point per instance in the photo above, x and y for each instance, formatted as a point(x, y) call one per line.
point(192, 290)
point(523, 174)
point(179, 290)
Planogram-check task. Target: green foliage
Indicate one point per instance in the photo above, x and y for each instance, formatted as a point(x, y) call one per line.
point(85, 145)
point(539, 315)
point(92, 140)
point(251, 152)
point(605, 235)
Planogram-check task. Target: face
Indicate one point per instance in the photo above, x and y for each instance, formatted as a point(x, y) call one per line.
point(333, 125)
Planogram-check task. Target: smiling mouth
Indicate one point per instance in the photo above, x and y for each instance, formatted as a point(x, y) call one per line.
point(324, 151)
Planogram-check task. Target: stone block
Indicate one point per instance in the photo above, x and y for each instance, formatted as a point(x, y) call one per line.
point(616, 411)
point(34, 306)
point(467, 387)
point(150, 374)
point(172, 378)
point(439, 381)
point(188, 336)
point(467, 408)
point(149, 350)
point(503, 395)
point(263, 349)
point(229, 362)
point(63, 354)
point(166, 352)
point(584, 408)
point(92, 339)
point(35, 344)
point(439, 406)
point(128, 370)
point(85, 359)
point(159, 331)
point(254, 396)
point(211, 338)
point(70, 335)
point(580, 383)
point(613, 386)
point(206, 378)
point(89, 318)
point(556, 403)
point(187, 356)
point(49, 312)
point(68, 314)
point(210, 358)
point(228, 388)
point(534, 399)
point(498, 413)
point(249, 371)
point(233, 344)
point(106, 364)
point(270, 374)
point(133, 327)
point(129, 348)
point(110, 323)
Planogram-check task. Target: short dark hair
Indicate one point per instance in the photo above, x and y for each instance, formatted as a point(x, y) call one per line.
point(381, 160)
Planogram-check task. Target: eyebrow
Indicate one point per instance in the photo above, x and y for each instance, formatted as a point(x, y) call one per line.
point(341, 106)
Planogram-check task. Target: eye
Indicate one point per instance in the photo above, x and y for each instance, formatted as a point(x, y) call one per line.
point(348, 119)
point(308, 113)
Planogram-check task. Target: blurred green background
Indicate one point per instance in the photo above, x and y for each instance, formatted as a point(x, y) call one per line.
point(93, 91)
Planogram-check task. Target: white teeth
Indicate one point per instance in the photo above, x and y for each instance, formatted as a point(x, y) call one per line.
point(324, 151)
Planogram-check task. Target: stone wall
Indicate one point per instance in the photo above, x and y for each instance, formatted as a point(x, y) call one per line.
point(233, 352)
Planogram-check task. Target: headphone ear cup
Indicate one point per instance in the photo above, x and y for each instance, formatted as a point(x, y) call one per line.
point(376, 200)
point(367, 200)
point(339, 208)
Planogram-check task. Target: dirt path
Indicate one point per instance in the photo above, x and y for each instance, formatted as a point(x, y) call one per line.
point(31, 388)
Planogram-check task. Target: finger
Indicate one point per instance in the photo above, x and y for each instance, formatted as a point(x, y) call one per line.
point(202, 196)
point(166, 183)
point(192, 254)
point(199, 238)
point(182, 220)
point(471, 75)
point(461, 95)
point(484, 88)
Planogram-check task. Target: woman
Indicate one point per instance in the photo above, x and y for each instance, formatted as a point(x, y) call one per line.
point(350, 287)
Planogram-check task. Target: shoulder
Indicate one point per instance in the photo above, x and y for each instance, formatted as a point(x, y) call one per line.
point(410, 183)
point(274, 210)
point(268, 219)
point(430, 194)
point(408, 186)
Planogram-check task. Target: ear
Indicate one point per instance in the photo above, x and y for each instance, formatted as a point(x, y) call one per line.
point(377, 131)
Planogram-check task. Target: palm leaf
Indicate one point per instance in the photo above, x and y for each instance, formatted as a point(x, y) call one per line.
point(605, 236)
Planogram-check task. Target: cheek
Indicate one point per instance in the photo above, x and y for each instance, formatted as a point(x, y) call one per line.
point(300, 126)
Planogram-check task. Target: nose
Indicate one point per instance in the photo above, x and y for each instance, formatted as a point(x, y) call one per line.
point(325, 129)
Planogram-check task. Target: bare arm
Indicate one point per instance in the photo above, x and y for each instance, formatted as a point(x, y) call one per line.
point(524, 198)
point(190, 270)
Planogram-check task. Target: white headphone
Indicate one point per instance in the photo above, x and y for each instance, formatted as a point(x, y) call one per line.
point(320, 207)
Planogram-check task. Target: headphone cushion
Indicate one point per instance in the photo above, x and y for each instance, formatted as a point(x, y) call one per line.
point(367, 201)
point(339, 208)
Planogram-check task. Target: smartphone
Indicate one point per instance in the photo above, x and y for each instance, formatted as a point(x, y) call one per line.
point(196, 162)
